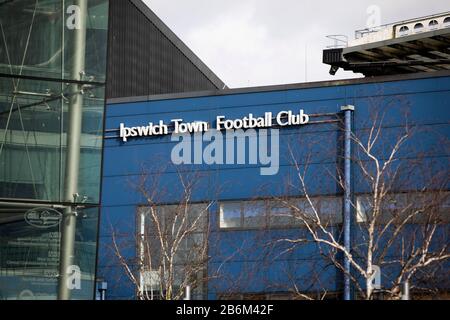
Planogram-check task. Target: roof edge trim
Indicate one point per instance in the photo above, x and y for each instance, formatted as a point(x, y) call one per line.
point(294, 86)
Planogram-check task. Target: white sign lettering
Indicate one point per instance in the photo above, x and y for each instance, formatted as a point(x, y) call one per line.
point(282, 119)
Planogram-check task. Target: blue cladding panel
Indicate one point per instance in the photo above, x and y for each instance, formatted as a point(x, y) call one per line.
point(255, 261)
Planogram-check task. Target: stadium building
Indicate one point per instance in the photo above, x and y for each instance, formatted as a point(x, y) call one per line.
point(130, 171)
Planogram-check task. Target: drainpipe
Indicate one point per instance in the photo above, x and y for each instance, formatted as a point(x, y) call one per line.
point(348, 115)
point(68, 225)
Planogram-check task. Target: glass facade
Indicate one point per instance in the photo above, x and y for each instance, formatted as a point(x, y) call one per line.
point(29, 257)
point(37, 38)
point(52, 61)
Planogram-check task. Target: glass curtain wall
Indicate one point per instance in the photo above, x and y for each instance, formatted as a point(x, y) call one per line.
point(52, 59)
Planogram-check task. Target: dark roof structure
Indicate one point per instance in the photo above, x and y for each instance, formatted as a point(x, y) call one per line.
point(409, 48)
point(145, 57)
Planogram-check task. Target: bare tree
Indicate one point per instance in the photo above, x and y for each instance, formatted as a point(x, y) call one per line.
point(171, 240)
point(400, 229)
point(257, 254)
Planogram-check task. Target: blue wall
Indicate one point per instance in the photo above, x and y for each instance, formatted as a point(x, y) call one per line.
point(256, 268)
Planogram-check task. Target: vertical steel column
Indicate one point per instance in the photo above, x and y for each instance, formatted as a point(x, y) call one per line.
point(348, 115)
point(68, 226)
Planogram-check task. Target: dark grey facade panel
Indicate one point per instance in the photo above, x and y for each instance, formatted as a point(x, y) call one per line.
point(144, 61)
point(178, 43)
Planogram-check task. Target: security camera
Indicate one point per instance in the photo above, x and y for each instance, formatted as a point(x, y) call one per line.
point(333, 70)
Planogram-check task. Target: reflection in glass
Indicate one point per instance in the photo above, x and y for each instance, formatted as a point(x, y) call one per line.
point(280, 216)
point(254, 214)
point(29, 255)
point(36, 37)
point(33, 131)
point(172, 235)
point(230, 215)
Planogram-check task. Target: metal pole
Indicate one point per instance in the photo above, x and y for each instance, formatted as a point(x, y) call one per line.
point(102, 287)
point(406, 295)
point(73, 151)
point(348, 112)
point(188, 293)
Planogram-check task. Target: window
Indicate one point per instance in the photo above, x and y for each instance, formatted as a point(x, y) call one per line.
point(21, 190)
point(329, 210)
point(433, 24)
point(254, 214)
point(152, 283)
point(418, 27)
point(362, 206)
point(153, 295)
point(278, 213)
point(180, 229)
point(418, 206)
point(29, 254)
point(404, 30)
point(37, 43)
point(245, 214)
point(230, 215)
point(447, 21)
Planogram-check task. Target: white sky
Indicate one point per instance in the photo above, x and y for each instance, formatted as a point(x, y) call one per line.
point(262, 42)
